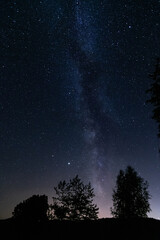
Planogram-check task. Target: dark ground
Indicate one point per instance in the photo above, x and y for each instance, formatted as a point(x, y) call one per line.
point(138, 229)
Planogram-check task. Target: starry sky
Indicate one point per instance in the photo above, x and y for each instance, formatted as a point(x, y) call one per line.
point(73, 76)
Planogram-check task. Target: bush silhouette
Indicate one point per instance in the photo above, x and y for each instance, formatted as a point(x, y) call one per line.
point(130, 197)
point(32, 209)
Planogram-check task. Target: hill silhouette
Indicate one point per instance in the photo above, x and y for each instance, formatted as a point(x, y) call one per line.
point(109, 228)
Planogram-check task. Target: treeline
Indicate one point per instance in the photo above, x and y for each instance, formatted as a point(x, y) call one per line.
point(75, 200)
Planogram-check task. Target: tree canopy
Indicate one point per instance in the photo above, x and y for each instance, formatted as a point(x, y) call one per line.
point(154, 91)
point(32, 209)
point(74, 201)
point(130, 196)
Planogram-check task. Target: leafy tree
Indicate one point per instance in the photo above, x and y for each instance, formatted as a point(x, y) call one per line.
point(74, 201)
point(155, 94)
point(32, 209)
point(130, 196)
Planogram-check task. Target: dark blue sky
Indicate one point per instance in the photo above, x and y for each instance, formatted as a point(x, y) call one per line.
point(73, 76)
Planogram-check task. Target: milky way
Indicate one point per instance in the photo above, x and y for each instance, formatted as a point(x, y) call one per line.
point(84, 36)
point(99, 125)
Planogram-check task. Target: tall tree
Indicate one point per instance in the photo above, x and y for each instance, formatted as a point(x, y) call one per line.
point(130, 196)
point(154, 91)
point(74, 201)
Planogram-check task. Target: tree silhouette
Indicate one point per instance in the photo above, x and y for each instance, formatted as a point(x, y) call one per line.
point(155, 94)
point(32, 209)
point(74, 201)
point(130, 196)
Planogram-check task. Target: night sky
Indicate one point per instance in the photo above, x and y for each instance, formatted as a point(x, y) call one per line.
point(73, 76)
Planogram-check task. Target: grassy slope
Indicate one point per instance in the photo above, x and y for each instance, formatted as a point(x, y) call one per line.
point(137, 229)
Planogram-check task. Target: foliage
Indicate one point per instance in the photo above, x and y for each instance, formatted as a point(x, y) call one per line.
point(32, 209)
point(74, 201)
point(155, 94)
point(130, 197)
